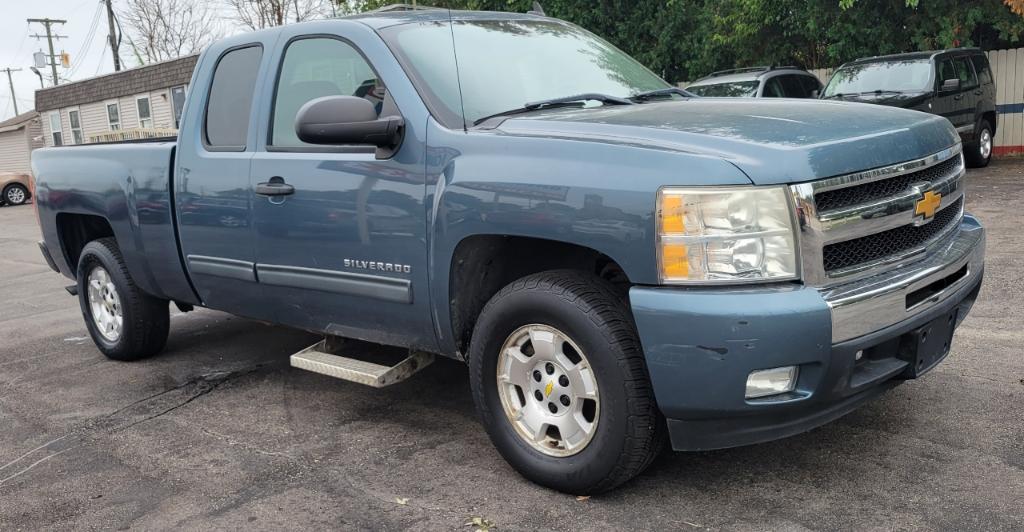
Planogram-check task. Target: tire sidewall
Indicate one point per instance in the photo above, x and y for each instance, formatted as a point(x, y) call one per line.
point(93, 255)
point(499, 320)
point(9, 188)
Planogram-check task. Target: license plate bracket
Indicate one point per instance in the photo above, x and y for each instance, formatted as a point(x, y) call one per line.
point(924, 347)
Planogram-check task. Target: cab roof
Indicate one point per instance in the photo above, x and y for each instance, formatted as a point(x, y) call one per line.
point(384, 18)
point(912, 56)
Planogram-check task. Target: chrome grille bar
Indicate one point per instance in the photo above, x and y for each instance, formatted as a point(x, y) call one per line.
point(822, 228)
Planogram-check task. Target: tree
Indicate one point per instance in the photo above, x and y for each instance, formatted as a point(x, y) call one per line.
point(259, 14)
point(159, 30)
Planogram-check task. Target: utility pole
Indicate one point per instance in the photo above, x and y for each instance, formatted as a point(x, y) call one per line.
point(50, 36)
point(112, 36)
point(13, 99)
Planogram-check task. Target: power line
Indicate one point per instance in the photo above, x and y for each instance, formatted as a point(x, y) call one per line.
point(89, 38)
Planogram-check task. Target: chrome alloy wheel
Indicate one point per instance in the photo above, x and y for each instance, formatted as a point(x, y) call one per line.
point(548, 390)
point(985, 144)
point(105, 304)
point(16, 195)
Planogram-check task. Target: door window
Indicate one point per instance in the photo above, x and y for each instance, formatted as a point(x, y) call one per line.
point(76, 126)
point(946, 71)
point(982, 68)
point(56, 135)
point(965, 72)
point(114, 116)
point(145, 114)
point(230, 103)
point(317, 67)
point(178, 102)
point(773, 89)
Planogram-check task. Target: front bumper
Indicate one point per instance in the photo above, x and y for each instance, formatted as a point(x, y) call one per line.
point(701, 344)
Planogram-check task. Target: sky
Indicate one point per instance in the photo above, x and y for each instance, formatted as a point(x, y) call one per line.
point(89, 56)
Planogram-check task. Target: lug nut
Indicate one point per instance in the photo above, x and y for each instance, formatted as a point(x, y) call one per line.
point(536, 375)
point(550, 368)
point(563, 380)
point(552, 408)
point(564, 400)
point(538, 395)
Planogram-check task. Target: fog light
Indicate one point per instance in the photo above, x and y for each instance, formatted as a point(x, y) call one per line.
point(765, 382)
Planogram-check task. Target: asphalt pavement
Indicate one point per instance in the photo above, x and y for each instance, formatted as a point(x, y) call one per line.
point(219, 432)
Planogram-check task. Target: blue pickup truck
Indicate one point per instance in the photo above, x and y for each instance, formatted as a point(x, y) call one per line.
point(619, 264)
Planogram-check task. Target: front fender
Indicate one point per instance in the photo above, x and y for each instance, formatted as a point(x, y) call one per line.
point(591, 194)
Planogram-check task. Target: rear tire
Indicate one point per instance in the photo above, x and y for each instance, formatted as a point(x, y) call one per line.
point(979, 152)
point(582, 312)
point(15, 194)
point(125, 323)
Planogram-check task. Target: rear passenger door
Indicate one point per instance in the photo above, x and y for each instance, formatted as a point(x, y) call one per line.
point(213, 196)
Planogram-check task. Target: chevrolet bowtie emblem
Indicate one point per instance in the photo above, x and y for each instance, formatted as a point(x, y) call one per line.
point(928, 204)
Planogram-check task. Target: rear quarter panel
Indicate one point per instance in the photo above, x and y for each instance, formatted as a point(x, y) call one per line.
point(128, 185)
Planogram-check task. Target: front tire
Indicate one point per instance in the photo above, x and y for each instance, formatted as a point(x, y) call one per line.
point(125, 323)
point(590, 422)
point(979, 152)
point(15, 194)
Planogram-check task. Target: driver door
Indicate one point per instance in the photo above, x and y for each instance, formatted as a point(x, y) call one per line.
point(343, 250)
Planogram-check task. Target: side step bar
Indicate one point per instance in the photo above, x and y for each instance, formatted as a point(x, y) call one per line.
point(320, 358)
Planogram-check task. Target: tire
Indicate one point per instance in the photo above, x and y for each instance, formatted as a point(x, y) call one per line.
point(628, 431)
point(15, 194)
point(979, 152)
point(145, 320)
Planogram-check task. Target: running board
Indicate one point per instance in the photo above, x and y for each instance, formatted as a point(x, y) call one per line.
point(319, 358)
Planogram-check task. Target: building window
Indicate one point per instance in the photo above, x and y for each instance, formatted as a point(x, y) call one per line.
point(145, 115)
point(74, 117)
point(178, 102)
point(114, 116)
point(56, 134)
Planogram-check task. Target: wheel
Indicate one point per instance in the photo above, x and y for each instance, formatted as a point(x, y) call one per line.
point(979, 153)
point(15, 194)
point(125, 323)
point(560, 383)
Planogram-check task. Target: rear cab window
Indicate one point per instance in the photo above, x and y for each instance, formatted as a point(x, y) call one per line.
point(229, 106)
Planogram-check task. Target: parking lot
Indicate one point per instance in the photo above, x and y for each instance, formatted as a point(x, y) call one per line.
point(219, 432)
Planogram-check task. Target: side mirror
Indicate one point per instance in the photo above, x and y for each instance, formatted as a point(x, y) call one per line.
point(815, 93)
point(348, 120)
point(951, 85)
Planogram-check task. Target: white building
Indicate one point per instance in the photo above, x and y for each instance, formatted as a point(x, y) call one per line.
point(142, 102)
point(18, 137)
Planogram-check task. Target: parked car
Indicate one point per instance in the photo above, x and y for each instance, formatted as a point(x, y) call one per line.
point(957, 84)
point(15, 189)
point(618, 264)
point(758, 82)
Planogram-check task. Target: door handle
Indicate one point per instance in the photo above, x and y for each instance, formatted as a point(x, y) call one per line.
point(977, 93)
point(275, 187)
point(958, 97)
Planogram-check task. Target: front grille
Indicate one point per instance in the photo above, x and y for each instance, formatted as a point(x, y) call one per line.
point(856, 195)
point(870, 248)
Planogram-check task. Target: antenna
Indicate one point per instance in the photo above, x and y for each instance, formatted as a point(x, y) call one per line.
point(537, 10)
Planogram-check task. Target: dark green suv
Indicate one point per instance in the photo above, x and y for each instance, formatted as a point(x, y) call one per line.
point(957, 84)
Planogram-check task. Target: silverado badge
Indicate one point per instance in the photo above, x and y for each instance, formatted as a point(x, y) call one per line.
point(928, 204)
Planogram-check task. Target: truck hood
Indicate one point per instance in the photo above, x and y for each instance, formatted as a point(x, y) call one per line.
point(773, 141)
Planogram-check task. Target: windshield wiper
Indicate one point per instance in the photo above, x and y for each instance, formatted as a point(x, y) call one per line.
point(876, 91)
point(668, 91)
point(565, 101)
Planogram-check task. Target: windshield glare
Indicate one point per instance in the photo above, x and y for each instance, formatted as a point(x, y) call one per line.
point(505, 64)
point(734, 89)
point(902, 76)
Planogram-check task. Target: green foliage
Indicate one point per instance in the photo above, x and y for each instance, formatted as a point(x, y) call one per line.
point(685, 39)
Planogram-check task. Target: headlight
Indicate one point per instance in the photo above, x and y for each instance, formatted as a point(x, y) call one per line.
point(725, 235)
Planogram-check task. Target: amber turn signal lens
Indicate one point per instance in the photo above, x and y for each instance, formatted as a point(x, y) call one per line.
point(672, 213)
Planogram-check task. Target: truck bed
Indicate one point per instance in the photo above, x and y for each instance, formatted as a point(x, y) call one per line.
point(130, 186)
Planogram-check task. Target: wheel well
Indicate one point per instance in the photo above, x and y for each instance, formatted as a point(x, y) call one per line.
point(991, 117)
point(77, 230)
point(482, 265)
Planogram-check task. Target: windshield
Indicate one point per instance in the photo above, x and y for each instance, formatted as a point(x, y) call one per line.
point(505, 64)
point(733, 89)
point(901, 76)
